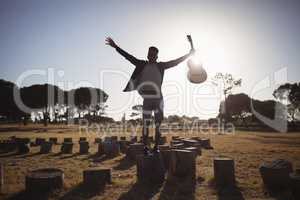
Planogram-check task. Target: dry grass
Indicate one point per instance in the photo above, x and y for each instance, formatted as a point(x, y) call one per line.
point(249, 150)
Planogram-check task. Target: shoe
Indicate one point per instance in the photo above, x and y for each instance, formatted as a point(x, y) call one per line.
point(155, 149)
point(146, 151)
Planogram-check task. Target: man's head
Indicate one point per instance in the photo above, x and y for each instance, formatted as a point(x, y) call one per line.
point(152, 54)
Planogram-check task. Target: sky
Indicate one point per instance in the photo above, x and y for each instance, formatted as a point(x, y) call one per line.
point(62, 42)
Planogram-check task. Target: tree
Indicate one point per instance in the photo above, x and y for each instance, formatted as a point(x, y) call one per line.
point(228, 83)
point(289, 94)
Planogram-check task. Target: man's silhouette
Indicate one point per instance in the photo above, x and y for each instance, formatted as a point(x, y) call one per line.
point(147, 79)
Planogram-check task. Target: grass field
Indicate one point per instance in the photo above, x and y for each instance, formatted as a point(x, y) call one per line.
point(249, 150)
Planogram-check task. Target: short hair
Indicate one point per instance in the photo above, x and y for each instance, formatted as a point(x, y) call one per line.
point(152, 48)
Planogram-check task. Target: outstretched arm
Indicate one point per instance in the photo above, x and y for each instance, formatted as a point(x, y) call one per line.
point(126, 55)
point(173, 63)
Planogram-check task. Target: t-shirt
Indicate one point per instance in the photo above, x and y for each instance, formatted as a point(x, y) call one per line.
point(150, 80)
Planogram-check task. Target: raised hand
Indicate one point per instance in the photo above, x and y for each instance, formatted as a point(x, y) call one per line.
point(110, 42)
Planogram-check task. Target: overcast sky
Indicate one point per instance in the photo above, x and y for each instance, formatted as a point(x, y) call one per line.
point(253, 40)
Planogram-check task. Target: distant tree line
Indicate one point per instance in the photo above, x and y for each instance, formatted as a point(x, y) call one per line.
point(48, 103)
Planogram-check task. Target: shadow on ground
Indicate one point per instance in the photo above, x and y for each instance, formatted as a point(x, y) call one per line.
point(81, 192)
point(140, 192)
point(124, 164)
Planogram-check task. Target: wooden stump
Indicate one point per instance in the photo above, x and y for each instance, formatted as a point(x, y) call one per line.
point(295, 184)
point(23, 148)
point(205, 143)
point(193, 149)
point(67, 147)
point(123, 138)
point(162, 140)
point(134, 150)
point(111, 148)
point(68, 140)
point(150, 169)
point(83, 147)
point(53, 140)
point(82, 139)
point(163, 147)
point(39, 141)
point(166, 156)
point(95, 178)
point(123, 145)
point(114, 138)
point(224, 171)
point(98, 140)
point(44, 180)
point(178, 146)
point(275, 174)
point(46, 147)
point(183, 164)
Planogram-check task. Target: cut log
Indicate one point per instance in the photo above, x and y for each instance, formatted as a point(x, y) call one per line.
point(44, 180)
point(67, 147)
point(111, 148)
point(23, 148)
point(39, 141)
point(100, 149)
point(166, 156)
point(68, 140)
point(205, 143)
point(134, 150)
point(53, 140)
point(275, 174)
point(295, 184)
point(224, 173)
point(124, 145)
point(183, 164)
point(162, 140)
point(46, 147)
point(150, 169)
point(123, 138)
point(83, 147)
point(98, 140)
point(96, 177)
point(82, 139)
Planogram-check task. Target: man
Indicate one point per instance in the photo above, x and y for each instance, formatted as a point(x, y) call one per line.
point(147, 79)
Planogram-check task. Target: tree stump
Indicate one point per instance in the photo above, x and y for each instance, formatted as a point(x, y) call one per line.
point(82, 139)
point(114, 138)
point(134, 150)
point(98, 140)
point(295, 184)
point(205, 143)
point(53, 140)
point(23, 148)
point(162, 140)
point(123, 145)
point(83, 147)
point(178, 146)
point(164, 147)
point(193, 149)
point(67, 147)
point(183, 164)
point(39, 141)
point(123, 138)
point(275, 174)
point(96, 178)
point(68, 140)
point(111, 148)
point(46, 147)
point(224, 171)
point(44, 180)
point(166, 156)
point(150, 169)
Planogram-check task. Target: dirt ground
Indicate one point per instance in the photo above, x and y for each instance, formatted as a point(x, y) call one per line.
point(248, 149)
